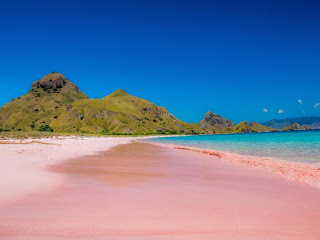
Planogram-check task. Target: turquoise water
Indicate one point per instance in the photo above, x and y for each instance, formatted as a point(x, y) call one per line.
point(296, 146)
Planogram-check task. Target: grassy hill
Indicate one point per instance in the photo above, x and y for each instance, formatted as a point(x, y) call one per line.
point(56, 104)
point(120, 113)
point(41, 105)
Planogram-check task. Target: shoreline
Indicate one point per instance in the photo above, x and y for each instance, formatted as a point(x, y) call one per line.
point(293, 171)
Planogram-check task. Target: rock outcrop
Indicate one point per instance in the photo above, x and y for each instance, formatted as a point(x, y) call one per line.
point(216, 121)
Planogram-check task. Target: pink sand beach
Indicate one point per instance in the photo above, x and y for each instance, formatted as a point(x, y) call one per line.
point(120, 189)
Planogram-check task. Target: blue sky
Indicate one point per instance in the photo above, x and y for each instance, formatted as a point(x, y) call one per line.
point(234, 58)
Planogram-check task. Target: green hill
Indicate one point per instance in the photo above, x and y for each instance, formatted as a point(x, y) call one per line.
point(122, 113)
point(45, 101)
point(56, 104)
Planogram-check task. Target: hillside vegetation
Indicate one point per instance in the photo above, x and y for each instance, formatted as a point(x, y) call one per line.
point(123, 113)
point(54, 104)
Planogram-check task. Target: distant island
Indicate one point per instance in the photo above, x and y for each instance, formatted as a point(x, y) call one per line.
point(54, 104)
point(311, 122)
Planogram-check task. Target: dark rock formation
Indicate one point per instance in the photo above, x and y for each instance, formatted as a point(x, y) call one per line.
point(52, 82)
point(215, 120)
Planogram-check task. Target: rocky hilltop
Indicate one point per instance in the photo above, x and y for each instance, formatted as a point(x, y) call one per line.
point(56, 104)
point(214, 120)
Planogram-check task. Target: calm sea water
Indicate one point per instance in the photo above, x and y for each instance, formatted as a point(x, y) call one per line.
point(297, 146)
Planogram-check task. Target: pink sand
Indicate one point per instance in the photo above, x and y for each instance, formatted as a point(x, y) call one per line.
point(142, 191)
point(22, 165)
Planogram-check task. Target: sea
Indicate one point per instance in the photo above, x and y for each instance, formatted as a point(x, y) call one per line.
point(292, 146)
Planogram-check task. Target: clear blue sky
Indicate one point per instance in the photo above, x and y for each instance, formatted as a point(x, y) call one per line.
point(234, 58)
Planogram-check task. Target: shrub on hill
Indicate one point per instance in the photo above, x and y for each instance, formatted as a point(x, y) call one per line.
point(45, 128)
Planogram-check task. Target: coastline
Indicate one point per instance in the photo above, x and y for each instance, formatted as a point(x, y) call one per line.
point(294, 171)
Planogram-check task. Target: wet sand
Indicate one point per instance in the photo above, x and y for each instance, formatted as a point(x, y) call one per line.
point(143, 191)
